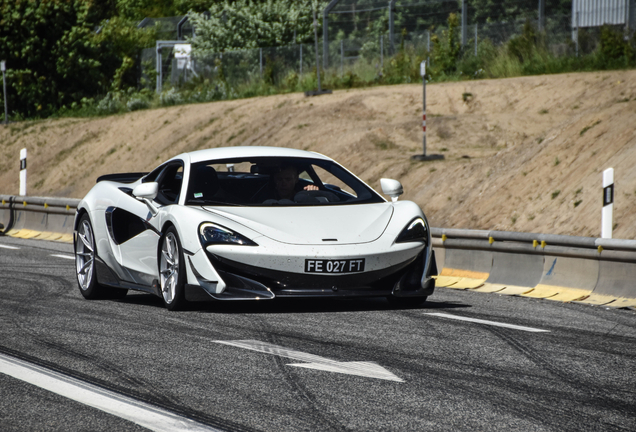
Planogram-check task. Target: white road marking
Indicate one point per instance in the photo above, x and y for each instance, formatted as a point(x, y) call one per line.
point(365, 369)
point(148, 416)
point(69, 257)
point(8, 247)
point(492, 323)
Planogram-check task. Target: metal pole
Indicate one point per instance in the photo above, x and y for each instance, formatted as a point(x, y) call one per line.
point(158, 65)
point(301, 59)
point(577, 34)
point(381, 51)
point(325, 39)
point(423, 73)
point(3, 66)
point(391, 29)
point(464, 22)
point(342, 58)
point(260, 60)
point(475, 39)
point(428, 47)
point(317, 56)
point(541, 15)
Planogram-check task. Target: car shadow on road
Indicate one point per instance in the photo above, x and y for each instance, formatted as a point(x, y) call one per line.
point(300, 305)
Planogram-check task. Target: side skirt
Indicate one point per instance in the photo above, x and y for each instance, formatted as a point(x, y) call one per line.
point(105, 276)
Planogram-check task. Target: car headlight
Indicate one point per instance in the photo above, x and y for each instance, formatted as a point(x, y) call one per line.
point(415, 231)
point(210, 234)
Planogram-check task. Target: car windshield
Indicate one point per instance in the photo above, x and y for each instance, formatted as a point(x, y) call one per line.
point(269, 181)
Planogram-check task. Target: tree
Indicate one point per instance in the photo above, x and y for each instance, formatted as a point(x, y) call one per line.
point(245, 24)
point(60, 51)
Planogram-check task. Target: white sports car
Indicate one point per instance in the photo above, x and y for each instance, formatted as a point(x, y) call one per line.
point(245, 223)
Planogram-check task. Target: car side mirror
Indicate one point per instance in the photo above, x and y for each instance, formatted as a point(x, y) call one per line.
point(146, 192)
point(392, 188)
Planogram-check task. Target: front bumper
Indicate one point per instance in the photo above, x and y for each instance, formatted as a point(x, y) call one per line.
point(401, 280)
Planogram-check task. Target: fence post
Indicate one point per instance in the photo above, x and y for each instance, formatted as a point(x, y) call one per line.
point(381, 51)
point(317, 56)
point(577, 34)
point(325, 38)
point(391, 28)
point(428, 47)
point(159, 69)
point(541, 15)
point(341, 57)
point(464, 22)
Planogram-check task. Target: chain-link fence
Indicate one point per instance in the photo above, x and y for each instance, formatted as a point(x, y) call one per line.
point(363, 35)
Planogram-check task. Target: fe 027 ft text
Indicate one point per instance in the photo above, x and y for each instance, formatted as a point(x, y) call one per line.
point(334, 266)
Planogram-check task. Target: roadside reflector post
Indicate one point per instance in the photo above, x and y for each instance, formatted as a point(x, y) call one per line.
point(423, 156)
point(23, 171)
point(608, 203)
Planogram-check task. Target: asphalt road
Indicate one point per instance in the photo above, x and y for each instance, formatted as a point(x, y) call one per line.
point(578, 374)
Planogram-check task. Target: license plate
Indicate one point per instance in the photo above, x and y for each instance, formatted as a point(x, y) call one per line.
point(334, 266)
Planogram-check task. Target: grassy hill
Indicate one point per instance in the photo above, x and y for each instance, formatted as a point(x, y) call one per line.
point(522, 154)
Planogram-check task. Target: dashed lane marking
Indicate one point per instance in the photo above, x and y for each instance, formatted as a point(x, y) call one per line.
point(8, 247)
point(492, 323)
point(69, 257)
point(143, 414)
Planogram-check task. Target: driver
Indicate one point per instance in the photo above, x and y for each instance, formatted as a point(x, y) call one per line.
point(286, 183)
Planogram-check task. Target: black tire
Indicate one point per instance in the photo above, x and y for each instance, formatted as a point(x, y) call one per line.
point(85, 256)
point(172, 275)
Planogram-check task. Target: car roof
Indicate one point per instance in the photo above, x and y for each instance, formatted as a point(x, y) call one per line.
point(246, 152)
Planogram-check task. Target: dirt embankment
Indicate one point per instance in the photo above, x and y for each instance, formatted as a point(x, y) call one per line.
point(522, 154)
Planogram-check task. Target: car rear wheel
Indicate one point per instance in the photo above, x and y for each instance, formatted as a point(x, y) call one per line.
point(172, 271)
point(85, 255)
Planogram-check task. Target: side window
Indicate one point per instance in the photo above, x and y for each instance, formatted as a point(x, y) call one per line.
point(170, 185)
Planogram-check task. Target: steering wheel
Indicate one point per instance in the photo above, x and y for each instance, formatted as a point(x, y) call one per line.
point(315, 197)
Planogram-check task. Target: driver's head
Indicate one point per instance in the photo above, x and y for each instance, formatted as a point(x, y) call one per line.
point(285, 182)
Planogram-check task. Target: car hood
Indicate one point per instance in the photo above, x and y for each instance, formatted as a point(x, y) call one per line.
point(345, 224)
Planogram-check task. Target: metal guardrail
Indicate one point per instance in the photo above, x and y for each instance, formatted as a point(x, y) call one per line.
point(37, 217)
point(555, 267)
point(535, 239)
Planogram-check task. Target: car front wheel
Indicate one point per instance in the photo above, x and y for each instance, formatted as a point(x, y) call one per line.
point(171, 270)
point(85, 256)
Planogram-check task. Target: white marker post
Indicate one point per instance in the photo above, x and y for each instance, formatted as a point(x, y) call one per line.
point(607, 221)
point(423, 156)
point(23, 171)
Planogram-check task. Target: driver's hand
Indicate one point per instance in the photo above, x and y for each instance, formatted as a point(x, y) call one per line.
point(310, 187)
